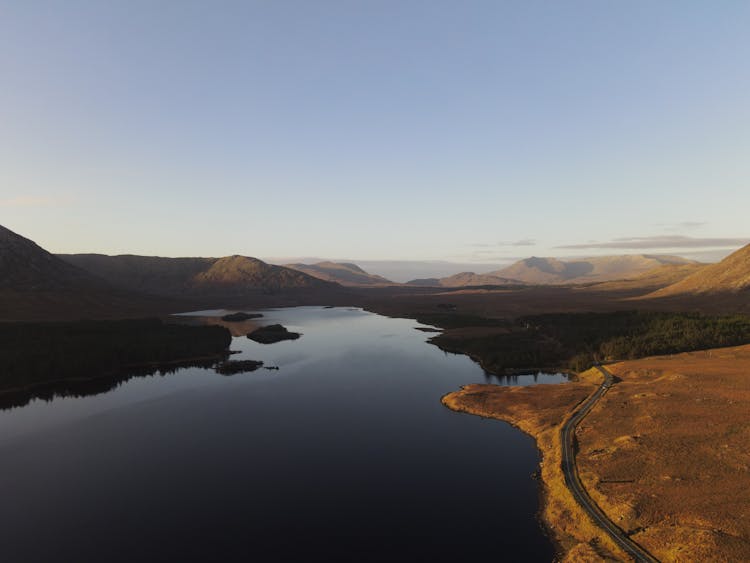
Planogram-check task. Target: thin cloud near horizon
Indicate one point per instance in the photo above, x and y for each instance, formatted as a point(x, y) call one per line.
point(683, 225)
point(521, 242)
point(660, 242)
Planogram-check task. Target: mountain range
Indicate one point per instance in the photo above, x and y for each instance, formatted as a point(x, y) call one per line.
point(552, 271)
point(37, 284)
point(233, 275)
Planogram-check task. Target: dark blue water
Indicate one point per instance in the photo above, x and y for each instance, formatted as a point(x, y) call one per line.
point(343, 454)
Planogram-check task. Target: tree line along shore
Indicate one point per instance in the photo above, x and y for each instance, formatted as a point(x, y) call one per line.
point(576, 341)
point(40, 352)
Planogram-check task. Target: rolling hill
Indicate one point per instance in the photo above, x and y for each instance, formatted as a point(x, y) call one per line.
point(465, 279)
point(730, 276)
point(186, 277)
point(552, 271)
point(544, 271)
point(651, 280)
point(36, 285)
point(25, 266)
point(241, 273)
point(344, 273)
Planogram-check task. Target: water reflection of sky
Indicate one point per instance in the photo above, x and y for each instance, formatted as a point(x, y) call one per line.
point(328, 334)
point(346, 447)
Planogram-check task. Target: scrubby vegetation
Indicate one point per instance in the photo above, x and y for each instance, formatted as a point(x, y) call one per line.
point(35, 353)
point(579, 340)
point(456, 320)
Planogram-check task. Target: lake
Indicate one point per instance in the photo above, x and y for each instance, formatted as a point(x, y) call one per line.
point(343, 454)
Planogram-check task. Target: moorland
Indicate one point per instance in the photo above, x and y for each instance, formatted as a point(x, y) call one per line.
point(669, 472)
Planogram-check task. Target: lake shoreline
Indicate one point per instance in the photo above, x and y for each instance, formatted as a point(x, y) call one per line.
point(21, 395)
point(42, 355)
point(565, 524)
point(307, 477)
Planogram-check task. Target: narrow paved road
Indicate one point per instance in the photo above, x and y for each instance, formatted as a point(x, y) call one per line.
point(572, 480)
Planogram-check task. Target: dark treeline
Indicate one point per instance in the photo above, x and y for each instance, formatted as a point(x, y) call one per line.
point(74, 387)
point(456, 320)
point(579, 340)
point(35, 353)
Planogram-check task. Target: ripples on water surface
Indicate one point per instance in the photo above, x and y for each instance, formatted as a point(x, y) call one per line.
point(343, 454)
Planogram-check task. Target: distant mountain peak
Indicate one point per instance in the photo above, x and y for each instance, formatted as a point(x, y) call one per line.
point(538, 270)
point(344, 273)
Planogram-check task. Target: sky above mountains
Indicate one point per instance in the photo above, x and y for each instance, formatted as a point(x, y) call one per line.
point(462, 131)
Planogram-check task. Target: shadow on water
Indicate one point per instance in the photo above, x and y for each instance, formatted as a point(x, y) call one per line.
point(88, 387)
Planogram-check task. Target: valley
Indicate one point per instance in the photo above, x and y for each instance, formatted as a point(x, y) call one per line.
point(374, 282)
point(506, 326)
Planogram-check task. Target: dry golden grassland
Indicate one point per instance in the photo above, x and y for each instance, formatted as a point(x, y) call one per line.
point(665, 453)
point(540, 411)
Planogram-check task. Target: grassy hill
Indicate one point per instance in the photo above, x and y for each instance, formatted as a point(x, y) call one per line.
point(731, 275)
point(191, 277)
point(344, 273)
point(37, 285)
point(466, 279)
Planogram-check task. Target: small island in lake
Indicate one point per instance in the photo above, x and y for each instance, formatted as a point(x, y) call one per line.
point(272, 333)
point(240, 316)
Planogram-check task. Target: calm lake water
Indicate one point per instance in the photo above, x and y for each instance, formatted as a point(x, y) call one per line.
point(343, 454)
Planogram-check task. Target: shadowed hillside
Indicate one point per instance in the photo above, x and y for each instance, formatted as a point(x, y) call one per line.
point(241, 273)
point(36, 285)
point(185, 277)
point(148, 274)
point(25, 266)
point(344, 273)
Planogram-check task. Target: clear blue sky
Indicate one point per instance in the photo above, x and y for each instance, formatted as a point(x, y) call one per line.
point(469, 131)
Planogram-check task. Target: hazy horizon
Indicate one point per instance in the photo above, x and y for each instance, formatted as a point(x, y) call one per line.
point(402, 271)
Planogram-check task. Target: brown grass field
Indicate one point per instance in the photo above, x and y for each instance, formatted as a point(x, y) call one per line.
point(510, 303)
point(679, 428)
point(665, 453)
